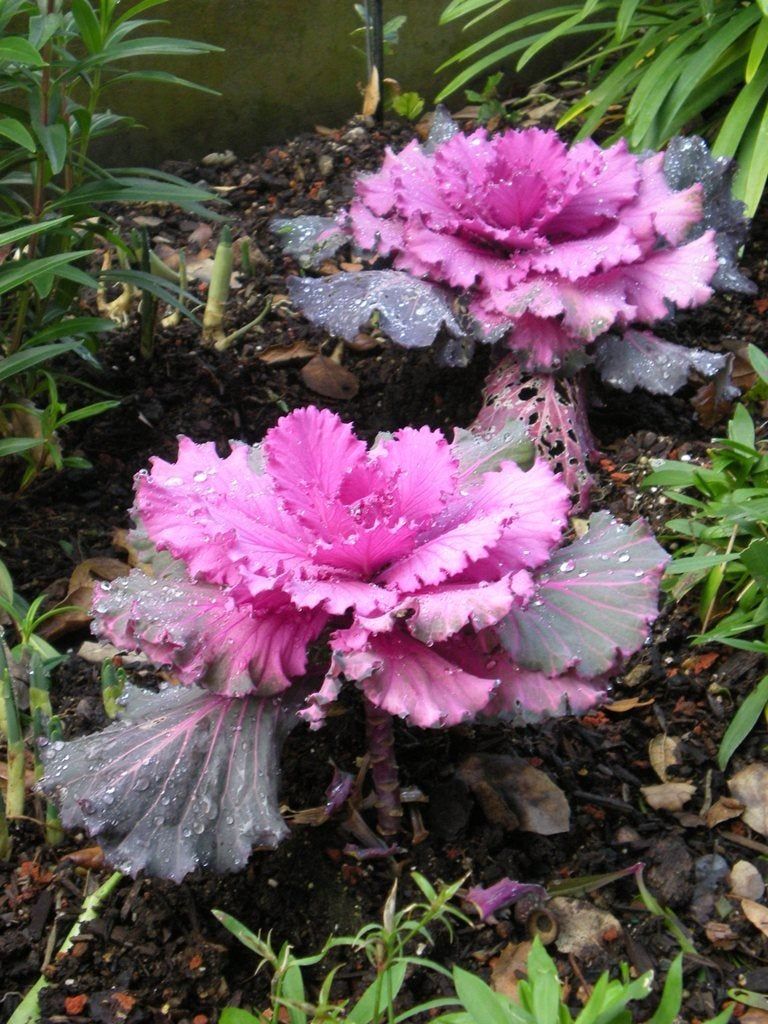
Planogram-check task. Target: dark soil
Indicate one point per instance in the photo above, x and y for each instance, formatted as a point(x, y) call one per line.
point(156, 953)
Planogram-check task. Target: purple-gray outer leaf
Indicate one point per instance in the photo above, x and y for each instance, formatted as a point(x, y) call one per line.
point(183, 780)
point(480, 451)
point(411, 312)
point(593, 603)
point(688, 160)
point(638, 359)
point(310, 240)
point(443, 127)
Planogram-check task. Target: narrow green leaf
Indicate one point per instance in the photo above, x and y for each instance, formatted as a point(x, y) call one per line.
point(624, 17)
point(483, 1003)
point(25, 360)
point(54, 139)
point(14, 130)
point(743, 722)
point(752, 158)
point(757, 50)
point(17, 50)
point(164, 77)
point(380, 995)
point(743, 107)
point(17, 445)
point(95, 409)
point(293, 990)
point(234, 1015)
point(87, 24)
point(564, 28)
point(716, 40)
point(672, 994)
point(26, 231)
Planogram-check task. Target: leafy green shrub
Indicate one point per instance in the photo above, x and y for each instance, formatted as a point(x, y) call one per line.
point(666, 65)
point(722, 545)
point(57, 62)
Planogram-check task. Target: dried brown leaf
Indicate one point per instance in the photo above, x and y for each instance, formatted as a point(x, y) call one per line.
point(509, 967)
point(750, 786)
point(664, 752)
point(372, 94)
point(328, 378)
point(669, 796)
point(721, 935)
point(723, 809)
point(285, 354)
point(515, 795)
point(628, 704)
point(756, 914)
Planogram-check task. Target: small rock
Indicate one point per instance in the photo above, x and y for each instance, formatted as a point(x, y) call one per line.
point(357, 134)
point(325, 164)
point(225, 159)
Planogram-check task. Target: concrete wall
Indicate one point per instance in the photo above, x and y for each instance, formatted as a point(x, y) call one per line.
point(287, 65)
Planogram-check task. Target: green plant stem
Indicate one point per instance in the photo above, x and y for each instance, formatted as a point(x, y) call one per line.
point(28, 1011)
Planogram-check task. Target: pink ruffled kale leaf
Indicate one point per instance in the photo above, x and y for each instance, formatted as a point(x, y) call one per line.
point(184, 780)
point(593, 604)
point(227, 641)
point(579, 239)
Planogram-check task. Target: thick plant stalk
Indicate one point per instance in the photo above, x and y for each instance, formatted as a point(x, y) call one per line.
point(28, 1010)
point(553, 409)
point(386, 783)
point(14, 801)
point(218, 292)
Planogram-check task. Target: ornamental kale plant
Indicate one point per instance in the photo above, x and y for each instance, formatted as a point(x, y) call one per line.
point(432, 574)
point(560, 252)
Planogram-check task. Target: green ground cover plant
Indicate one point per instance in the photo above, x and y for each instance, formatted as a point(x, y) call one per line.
point(721, 545)
point(395, 949)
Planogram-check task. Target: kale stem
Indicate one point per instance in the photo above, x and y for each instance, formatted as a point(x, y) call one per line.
point(386, 781)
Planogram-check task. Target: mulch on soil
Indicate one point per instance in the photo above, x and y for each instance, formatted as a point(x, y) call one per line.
point(156, 953)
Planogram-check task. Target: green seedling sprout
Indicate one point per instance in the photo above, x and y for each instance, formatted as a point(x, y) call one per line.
point(147, 305)
point(218, 291)
point(5, 837)
point(173, 319)
point(39, 686)
point(230, 339)
point(246, 264)
point(45, 729)
point(14, 800)
point(112, 685)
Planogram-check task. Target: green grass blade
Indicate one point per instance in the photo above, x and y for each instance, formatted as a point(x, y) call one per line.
point(743, 722)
